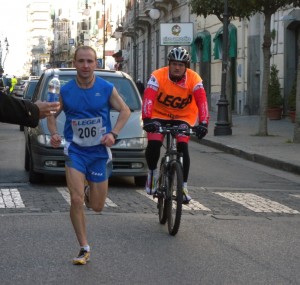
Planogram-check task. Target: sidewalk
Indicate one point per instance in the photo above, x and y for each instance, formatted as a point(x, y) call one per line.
point(275, 150)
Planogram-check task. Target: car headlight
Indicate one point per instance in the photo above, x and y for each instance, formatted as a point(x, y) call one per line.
point(133, 143)
point(45, 140)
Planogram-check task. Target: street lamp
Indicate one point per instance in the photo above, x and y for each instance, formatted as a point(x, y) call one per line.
point(1, 53)
point(222, 127)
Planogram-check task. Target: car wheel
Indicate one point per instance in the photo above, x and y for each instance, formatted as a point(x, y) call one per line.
point(140, 180)
point(34, 177)
point(21, 128)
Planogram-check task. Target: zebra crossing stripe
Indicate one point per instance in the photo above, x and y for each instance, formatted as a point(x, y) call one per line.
point(10, 198)
point(64, 191)
point(256, 203)
point(192, 205)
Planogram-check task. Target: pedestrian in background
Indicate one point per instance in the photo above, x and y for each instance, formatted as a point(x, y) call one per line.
point(87, 101)
point(14, 81)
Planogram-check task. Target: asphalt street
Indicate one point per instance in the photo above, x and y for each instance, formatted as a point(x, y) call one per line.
point(241, 228)
point(130, 248)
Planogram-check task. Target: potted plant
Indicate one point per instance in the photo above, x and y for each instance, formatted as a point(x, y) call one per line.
point(274, 111)
point(292, 103)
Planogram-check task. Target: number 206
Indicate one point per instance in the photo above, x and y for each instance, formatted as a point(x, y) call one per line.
point(87, 132)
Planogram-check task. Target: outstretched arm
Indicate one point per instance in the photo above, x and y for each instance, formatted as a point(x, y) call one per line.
point(21, 112)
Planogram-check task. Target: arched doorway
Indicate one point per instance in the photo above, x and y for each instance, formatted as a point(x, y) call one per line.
point(292, 33)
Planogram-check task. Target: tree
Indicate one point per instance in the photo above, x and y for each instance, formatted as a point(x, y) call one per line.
point(216, 7)
point(274, 95)
point(242, 9)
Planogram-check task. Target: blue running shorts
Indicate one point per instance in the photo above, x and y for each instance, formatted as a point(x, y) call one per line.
point(95, 168)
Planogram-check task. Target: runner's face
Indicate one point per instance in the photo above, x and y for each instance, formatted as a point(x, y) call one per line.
point(85, 63)
point(176, 69)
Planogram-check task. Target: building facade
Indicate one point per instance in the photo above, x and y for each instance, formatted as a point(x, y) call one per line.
point(143, 52)
point(127, 35)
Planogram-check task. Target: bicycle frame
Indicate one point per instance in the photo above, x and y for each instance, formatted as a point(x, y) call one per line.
point(171, 154)
point(170, 181)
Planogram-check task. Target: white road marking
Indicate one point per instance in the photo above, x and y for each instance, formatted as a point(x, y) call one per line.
point(66, 195)
point(10, 198)
point(257, 203)
point(295, 195)
point(193, 205)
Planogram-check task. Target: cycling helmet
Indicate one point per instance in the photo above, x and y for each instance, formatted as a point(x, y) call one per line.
point(179, 54)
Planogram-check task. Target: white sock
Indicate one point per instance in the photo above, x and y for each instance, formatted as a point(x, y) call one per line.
point(184, 184)
point(86, 247)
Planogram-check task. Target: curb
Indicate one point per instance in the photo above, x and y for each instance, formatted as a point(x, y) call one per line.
point(258, 158)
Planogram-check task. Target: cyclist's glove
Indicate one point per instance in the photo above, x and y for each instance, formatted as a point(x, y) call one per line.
point(201, 130)
point(151, 126)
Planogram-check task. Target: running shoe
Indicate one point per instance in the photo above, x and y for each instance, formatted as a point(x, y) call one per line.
point(151, 183)
point(87, 196)
point(82, 258)
point(186, 197)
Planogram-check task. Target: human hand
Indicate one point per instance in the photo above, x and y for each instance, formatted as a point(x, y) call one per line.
point(47, 108)
point(108, 140)
point(151, 126)
point(201, 130)
point(55, 140)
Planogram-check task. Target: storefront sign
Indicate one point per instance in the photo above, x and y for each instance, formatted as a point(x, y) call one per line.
point(176, 34)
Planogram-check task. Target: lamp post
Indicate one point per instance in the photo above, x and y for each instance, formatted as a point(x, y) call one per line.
point(222, 127)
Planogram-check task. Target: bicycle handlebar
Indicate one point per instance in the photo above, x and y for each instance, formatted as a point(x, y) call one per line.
point(174, 130)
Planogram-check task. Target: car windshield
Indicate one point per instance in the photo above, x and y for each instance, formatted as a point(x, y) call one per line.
point(123, 85)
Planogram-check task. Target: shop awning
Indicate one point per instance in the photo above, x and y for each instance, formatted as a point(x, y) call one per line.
point(201, 47)
point(218, 41)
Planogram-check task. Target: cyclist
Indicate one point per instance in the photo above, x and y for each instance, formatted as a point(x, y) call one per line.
point(174, 94)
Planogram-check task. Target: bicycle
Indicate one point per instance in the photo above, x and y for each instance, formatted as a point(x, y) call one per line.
point(169, 192)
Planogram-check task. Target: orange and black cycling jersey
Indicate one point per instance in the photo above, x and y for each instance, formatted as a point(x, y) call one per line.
point(184, 100)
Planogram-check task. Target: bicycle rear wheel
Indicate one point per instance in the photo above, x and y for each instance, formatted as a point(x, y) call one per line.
point(161, 196)
point(174, 199)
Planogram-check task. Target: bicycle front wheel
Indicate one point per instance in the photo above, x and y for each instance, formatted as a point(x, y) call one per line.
point(175, 197)
point(161, 195)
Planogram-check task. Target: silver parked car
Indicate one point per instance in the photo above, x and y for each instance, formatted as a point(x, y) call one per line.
point(128, 151)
